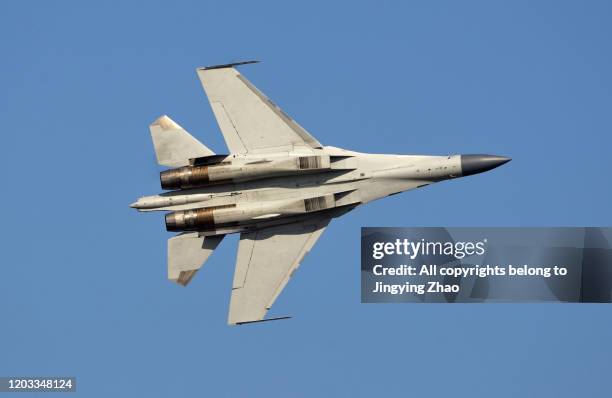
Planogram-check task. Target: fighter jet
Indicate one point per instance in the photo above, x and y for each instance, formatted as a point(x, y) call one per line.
point(278, 187)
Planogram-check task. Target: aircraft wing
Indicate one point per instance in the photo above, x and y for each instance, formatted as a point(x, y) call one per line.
point(249, 121)
point(267, 258)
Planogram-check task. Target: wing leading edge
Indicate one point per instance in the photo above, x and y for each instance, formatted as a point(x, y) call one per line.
point(249, 121)
point(266, 260)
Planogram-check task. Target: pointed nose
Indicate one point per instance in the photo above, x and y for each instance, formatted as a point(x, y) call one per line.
point(474, 164)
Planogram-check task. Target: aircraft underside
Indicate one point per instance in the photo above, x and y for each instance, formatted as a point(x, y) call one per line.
point(278, 187)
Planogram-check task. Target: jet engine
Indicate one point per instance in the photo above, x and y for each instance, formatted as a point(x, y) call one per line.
point(239, 170)
point(230, 214)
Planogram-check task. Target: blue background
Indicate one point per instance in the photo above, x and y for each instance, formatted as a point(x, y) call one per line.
point(83, 287)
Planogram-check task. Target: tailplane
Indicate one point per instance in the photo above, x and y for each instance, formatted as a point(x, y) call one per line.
point(173, 145)
point(187, 253)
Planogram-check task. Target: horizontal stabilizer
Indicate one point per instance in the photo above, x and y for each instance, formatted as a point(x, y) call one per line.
point(187, 253)
point(173, 145)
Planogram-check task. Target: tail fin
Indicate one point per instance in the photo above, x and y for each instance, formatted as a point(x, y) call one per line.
point(173, 145)
point(187, 253)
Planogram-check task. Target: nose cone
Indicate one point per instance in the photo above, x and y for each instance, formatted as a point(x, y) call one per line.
point(474, 164)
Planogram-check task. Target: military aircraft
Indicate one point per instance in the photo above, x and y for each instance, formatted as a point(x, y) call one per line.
point(279, 187)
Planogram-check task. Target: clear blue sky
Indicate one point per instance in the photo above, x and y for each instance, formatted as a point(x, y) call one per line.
point(83, 287)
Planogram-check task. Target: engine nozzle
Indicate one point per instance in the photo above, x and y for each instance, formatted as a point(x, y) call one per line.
point(194, 219)
point(189, 220)
point(184, 177)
